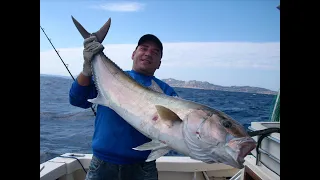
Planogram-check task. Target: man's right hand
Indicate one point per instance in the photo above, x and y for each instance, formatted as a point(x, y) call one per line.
point(91, 48)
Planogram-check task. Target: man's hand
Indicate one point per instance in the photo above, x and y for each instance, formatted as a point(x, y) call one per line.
point(91, 48)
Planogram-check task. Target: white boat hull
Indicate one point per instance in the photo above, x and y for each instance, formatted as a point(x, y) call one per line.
point(67, 167)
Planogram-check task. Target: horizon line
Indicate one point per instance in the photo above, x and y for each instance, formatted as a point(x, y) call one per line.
point(69, 77)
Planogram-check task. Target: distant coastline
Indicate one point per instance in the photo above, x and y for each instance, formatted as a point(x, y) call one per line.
point(194, 84)
point(206, 85)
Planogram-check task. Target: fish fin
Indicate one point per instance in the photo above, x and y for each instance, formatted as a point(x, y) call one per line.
point(99, 100)
point(167, 115)
point(100, 34)
point(152, 145)
point(155, 87)
point(155, 154)
point(80, 28)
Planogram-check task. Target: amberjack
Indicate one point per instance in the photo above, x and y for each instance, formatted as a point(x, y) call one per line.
point(190, 128)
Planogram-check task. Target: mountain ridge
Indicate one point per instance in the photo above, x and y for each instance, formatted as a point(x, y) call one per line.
point(209, 86)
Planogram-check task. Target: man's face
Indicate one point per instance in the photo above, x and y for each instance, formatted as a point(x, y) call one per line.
point(146, 58)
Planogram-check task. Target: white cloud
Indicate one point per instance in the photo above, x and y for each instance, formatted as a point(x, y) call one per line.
point(122, 6)
point(194, 56)
point(223, 54)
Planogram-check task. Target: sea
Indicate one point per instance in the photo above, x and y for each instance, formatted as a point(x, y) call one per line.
point(68, 129)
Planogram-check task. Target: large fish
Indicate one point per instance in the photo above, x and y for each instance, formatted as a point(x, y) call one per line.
point(190, 128)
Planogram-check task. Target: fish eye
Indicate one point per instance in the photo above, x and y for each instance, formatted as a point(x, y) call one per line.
point(227, 124)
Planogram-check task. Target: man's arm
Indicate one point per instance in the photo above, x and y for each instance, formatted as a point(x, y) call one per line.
point(83, 87)
point(83, 80)
point(81, 90)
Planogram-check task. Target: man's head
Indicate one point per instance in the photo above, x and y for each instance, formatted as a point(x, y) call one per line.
point(147, 55)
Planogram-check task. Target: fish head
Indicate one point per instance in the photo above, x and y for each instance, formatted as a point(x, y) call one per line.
point(214, 137)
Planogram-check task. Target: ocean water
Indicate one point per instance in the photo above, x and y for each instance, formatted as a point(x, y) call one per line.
point(65, 128)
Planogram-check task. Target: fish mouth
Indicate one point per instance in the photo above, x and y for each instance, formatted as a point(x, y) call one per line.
point(246, 148)
point(241, 148)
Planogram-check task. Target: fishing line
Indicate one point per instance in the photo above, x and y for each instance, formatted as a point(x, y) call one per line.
point(63, 62)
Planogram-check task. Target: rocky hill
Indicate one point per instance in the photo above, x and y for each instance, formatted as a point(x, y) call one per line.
point(206, 85)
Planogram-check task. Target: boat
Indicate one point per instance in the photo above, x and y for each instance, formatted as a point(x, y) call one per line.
point(74, 166)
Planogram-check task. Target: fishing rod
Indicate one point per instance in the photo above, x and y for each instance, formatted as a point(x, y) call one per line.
point(63, 62)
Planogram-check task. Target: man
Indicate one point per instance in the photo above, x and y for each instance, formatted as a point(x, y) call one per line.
point(113, 138)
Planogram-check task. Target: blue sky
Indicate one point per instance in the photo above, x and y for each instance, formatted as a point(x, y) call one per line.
point(230, 42)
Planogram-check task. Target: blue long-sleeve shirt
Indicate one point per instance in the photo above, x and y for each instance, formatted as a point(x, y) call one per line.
point(113, 137)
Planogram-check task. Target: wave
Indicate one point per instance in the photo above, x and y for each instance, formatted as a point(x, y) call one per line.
point(80, 115)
